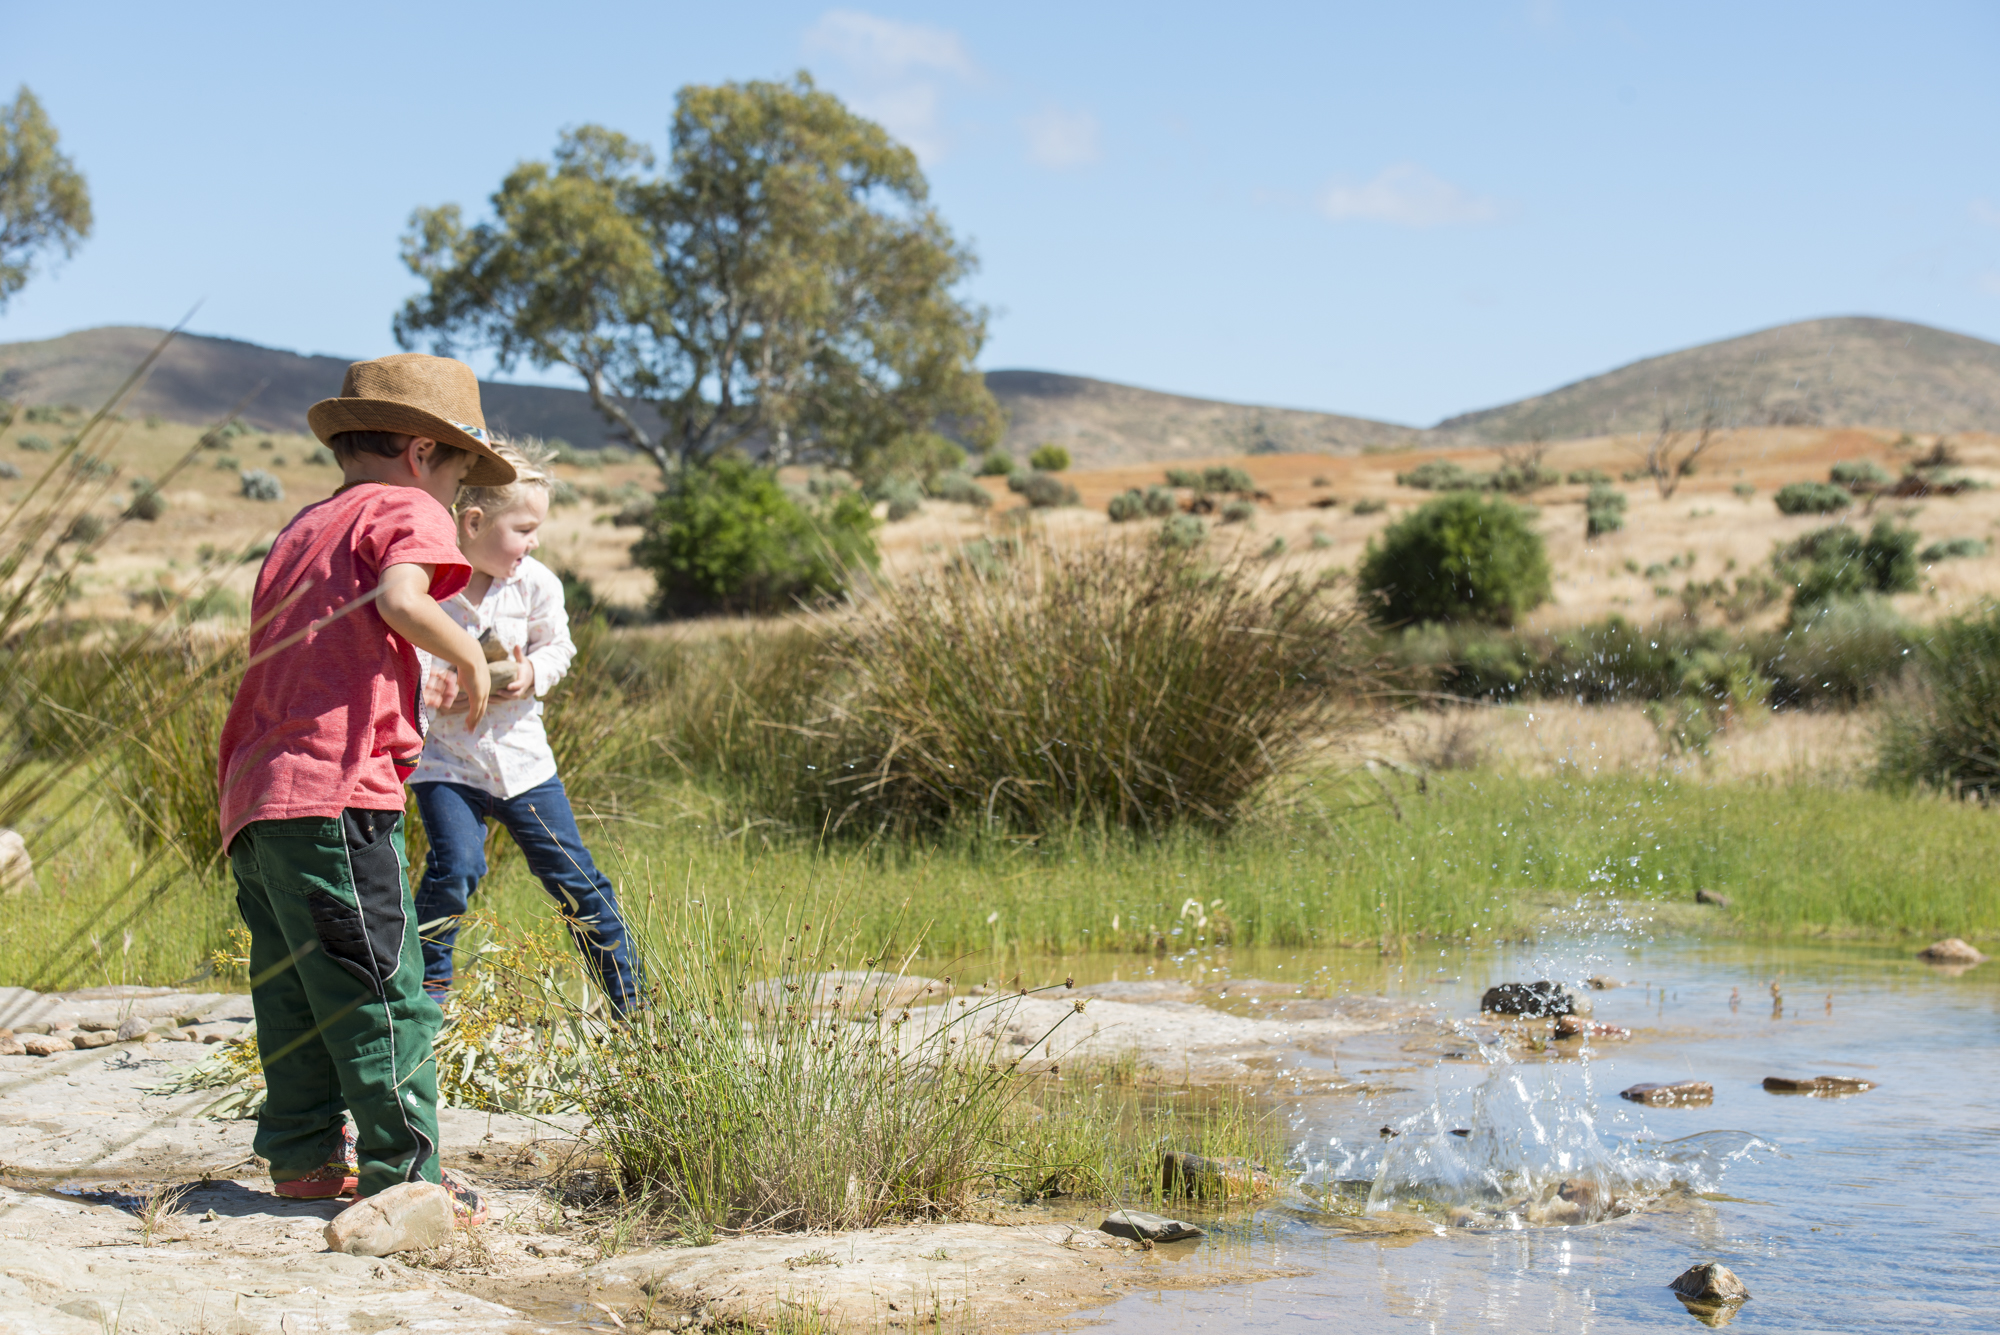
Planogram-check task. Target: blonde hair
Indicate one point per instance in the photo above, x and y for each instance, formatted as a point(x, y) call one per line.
point(531, 460)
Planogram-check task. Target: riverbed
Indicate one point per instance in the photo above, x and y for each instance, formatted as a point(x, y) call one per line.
point(1873, 1212)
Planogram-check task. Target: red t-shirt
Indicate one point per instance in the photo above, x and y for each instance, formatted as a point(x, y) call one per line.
point(326, 717)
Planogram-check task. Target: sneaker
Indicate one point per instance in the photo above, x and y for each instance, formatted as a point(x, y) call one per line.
point(338, 1176)
point(468, 1207)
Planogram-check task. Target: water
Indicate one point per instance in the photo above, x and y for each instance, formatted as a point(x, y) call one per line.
point(1876, 1212)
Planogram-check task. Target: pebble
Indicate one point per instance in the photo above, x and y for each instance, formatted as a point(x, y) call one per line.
point(97, 1026)
point(1710, 1282)
point(1951, 950)
point(1823, 1085)
point(94, 1039)
point(1660, 1096)
point(409, 1216)
point(1138, 1226)
point(44, 1045)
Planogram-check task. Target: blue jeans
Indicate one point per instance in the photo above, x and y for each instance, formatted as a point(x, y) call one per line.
point(542, 824)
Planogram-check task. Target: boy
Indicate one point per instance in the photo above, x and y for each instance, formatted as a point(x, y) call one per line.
point(323, 732)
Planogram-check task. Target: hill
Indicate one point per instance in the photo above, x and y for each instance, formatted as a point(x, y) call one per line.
point(1847, 371)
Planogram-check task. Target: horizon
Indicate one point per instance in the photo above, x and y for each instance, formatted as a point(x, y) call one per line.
point(1382, 216)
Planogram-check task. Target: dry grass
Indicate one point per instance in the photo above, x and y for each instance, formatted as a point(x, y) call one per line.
point(1557, 737)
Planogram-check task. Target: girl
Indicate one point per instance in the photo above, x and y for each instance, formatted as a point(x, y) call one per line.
point(502, 767)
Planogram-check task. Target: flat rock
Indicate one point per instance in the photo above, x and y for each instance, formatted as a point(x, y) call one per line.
point(1533, 1000)
point(1681, 1093)
point(45, 1045)
point(1710, 1282)
point(985, 1277)
point(408, 1217)
point(1141, 990)
point(1951, 950)
point(851, 990)
point(1138, 1226)
point(1821, 1085)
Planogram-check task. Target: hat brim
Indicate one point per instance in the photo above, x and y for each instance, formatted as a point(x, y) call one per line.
point(329, 417)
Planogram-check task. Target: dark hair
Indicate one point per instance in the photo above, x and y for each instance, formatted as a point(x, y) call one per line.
point(385, 444)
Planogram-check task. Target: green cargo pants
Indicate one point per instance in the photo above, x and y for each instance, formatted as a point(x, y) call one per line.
point(337, 983)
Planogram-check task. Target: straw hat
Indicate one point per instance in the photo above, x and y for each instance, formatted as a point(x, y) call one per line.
point(413, 394)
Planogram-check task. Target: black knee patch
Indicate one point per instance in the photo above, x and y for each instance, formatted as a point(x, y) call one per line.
point(367, 938)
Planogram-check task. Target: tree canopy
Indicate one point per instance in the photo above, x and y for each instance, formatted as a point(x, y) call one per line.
point(44, 203)
point(783, 285)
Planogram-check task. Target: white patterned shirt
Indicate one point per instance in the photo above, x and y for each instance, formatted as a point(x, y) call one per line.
point(508, 753)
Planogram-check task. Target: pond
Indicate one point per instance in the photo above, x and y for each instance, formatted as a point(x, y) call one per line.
point(1876, 1211)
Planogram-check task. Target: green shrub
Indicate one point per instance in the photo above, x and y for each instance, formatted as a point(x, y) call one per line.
point(1838, 653)
point(9, 470)
point(1811, 498)
point(86, 465)
point(1945, 732)
point(1159, 502)
point(1049, 458)
point(1603, 510)
point(1224, 478)
point(1127, 506)
point(1443, 475)
point(34, 443)
point(1239, 512)
point(43, 412)
point(319, 456)
point(1521, 479)
point(725, 536)
point(84, 528)
point(1369, 505)
point(561, 492)
point(921, 456)
point(147, 503)
point(227, 463)
point(1457, 558)
point(1837, 562)
point(1188, 478)
point(904, 496)
point(1743, 491)
point(154, 421)
point(958, 487)
point(997, 463)
point(1182, 532)
point(1859, 474)
point(1592, 477)
point(1042, 490)
point(1952, 549)
point(259, 485)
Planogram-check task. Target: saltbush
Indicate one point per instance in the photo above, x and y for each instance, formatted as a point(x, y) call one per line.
point(957, 486)
point(9, 470)
point(921, 456)
point(319, 456)
point(1042, 490)
point(35, 443)
point(147, 502)
point(1222, 477)
point(997, 463)
point(1859, 474)
point(1811, 498)
point(1126, 506)
point(1837, 562)
point(1945, 731)
point(1182, 532)
point(1188, 478)
point(726, 536)
point(259, 485)
point(1239, 512)
point(1457, 558)
point(1049, 458)
point(1369, 505)
point(1442, 475)
point(1603, 510)
point(904, 496)
point(1952, 549)
point(1159, 502)
point(1592, 477)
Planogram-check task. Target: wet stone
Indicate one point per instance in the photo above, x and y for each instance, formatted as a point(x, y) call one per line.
point(1951, 950)
point(1533, 1000)
point(1710, 1282)
point(1138, 1226)
point(1681, 1093)
point(1575, 1026)
point(1822, 1086)
point(1184, 1174)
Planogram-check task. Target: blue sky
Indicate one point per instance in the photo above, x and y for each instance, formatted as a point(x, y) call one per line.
point(1397, 211)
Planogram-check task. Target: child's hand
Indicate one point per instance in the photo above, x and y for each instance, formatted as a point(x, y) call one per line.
point(524, 678)
point(478, 687)
point(441, 691)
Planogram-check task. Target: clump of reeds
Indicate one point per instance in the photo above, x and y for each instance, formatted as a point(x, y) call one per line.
point(1116, 687)
point(1944, 730)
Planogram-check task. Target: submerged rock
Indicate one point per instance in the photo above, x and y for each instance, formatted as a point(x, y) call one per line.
point(1599, 983)
point(1660, 1096)
point(409, 1216)
point(1138, 1226)
point(1710, 1282)
point(1184, 1174)
point(1575, 1026)
point(1533, 1000)
point(1824, 1086)
point(1951, 950)
point(1710, 897)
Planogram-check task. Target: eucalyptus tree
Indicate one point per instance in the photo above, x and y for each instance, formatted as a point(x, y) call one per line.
point(782, 286)
point(44, 201)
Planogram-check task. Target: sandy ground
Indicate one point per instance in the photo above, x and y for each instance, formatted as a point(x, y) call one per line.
point(1310, 508)
point(129, 1211)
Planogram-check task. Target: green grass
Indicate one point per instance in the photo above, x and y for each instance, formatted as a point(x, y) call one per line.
point(1475, 858)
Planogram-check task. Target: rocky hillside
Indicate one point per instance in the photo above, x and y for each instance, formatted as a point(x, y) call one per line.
point(1850, 371)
